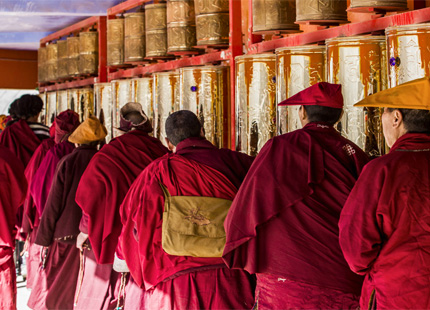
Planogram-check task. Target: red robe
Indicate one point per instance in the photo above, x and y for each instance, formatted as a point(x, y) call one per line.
point(283, 222)
point(182, 282)
point(385, 226)
point(13, 187)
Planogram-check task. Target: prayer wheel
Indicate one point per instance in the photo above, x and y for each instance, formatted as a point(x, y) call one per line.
point(205, 91)
point(143, 94)
point(51, 107)
point(156, 30)
point(255, 101)
point(62, 97)
point(52, 62)
point(103, 106)
point(359, 65)
point(115, 42)
point(181, 26)
point(89, 52)
point(122, 93)
point(43, 115)
point(180, 11)
point(329, 11)
point(212, 29)
point(73, 48)
point(408, 53)
point(73, 99)
point(166, 100)
point(62, 59)
point(134, 37)
point(269, 15)
point(297, 68)
point(41, 64)
point(386, 5)
point(85, 103)
point(211, 6)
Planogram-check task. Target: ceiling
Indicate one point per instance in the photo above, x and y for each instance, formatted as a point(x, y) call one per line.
point(24, 23)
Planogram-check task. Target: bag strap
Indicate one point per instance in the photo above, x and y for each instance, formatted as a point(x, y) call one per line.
point(165, 191)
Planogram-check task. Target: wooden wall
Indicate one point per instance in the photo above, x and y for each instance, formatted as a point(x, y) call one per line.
point(18, 69)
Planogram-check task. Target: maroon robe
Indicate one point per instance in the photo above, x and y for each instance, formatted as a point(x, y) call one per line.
point(385, 226)
point(13, 187)
point(183, 282)
point(283, 222)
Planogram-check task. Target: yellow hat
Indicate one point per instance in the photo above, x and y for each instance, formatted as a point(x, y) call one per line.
point(90, 130)
point(411, 95)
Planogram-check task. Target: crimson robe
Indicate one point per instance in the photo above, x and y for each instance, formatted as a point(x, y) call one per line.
point(385, 226)
point(283, 221)
point(13, 187)
point(182, 282)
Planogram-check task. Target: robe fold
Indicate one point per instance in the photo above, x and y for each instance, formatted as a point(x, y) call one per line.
point(385, 226)
point(13, 187)
point(283, 221)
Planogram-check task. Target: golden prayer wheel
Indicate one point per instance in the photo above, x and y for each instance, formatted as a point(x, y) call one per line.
point(52, 62)
point(115, 42)
point(359, 65)
point(180, 11)
point(255, 101)
point(103, 106)
point(297, 68)
point(156, 30)
point(321, 11)
point(62, 59)
point(73, 47)
point(89, 52)
point(62, 96)
point(212, 29)
point(134, 37)
point(122, 93)
point(51, 107)
point(143, 94)
point(156, 16)
point(156, 43)
point(269, 15)
point(180, 37)
point(205, 91)
point(85, 103)
point(211, 6)
point(166, 100)
point(408, 53)
point(41, 64)
point(387, 5)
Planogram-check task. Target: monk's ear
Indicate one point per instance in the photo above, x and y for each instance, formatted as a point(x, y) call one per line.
point(170, 146)
point(302, 113)
point(397, 118)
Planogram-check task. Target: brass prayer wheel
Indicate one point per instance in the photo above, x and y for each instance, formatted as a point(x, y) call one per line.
point(180, 37)
point(321, 11)
point(134, 38)
point(41, 64)
point(408, 53)
point(89, 52)
point(359, 65)
point(212, 29)
point(387, 5)
point(103, 106)
point(156, 16)
point(143, 94)
point(211, 6)
point(115, 42)
point(73, 48)
point(51, 107)
point(62, 97)
point(205, 91)
point(62, 59)
point(156, 30)
point(269, 15)
point(85, 103)
point(166, 100)
point(122, 93)
point(255, 101)
point(52, 62)
point(297, 68)
point(180, 11)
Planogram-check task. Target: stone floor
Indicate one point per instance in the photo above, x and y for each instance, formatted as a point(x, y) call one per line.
point(23, 295)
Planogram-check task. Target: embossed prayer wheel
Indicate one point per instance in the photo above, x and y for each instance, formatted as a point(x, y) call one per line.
point(41, 64)
point(359, 65)
point(211, 6)
point(134, 37)
point(143, 94)
point(166, 100)
point(255, 101)
point(408, 53)
point(269, 15)
point(386, 5)
point(73, 99)
point(296, 69)
point(180, 11)
point(51, 107)
point(62, 59)
point(73, 48)
point(181, 26)
point(156, 30)
point(62, 97)
point(122, 93)
point(103, 106)
point(89, 52)
point(115, 42)
point(205, 91)
point(212, 29)
point(85, 103)
point(52, 62)
point(329, 11)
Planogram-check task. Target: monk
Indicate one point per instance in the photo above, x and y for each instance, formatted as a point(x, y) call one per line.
point(13, 187)
point(282, 225)
point(100, 193)
point(59, 225)
point(196, 168)
point(384, 225)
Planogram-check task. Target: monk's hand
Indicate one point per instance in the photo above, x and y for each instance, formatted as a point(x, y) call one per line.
point(81, 240)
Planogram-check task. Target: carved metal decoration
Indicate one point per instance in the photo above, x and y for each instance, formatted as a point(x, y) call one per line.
point(321, 11)
point(73, 56)
point(89, 52)
point(211, 6)
point(52, 62)
point(143, 93)
point(115, 42)
point(156, 30)
point(62, 59)
point(42, 56)
point(269, 15)
point(212, 29)
point(103, 106)
point(134, 40)
point(387, 5)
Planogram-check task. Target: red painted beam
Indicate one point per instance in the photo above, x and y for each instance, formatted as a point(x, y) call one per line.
point(102, 29)
point(67, 85)
point(125, 6)
point(412, 17)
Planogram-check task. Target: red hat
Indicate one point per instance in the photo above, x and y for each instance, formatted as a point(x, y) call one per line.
point(323, 94)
